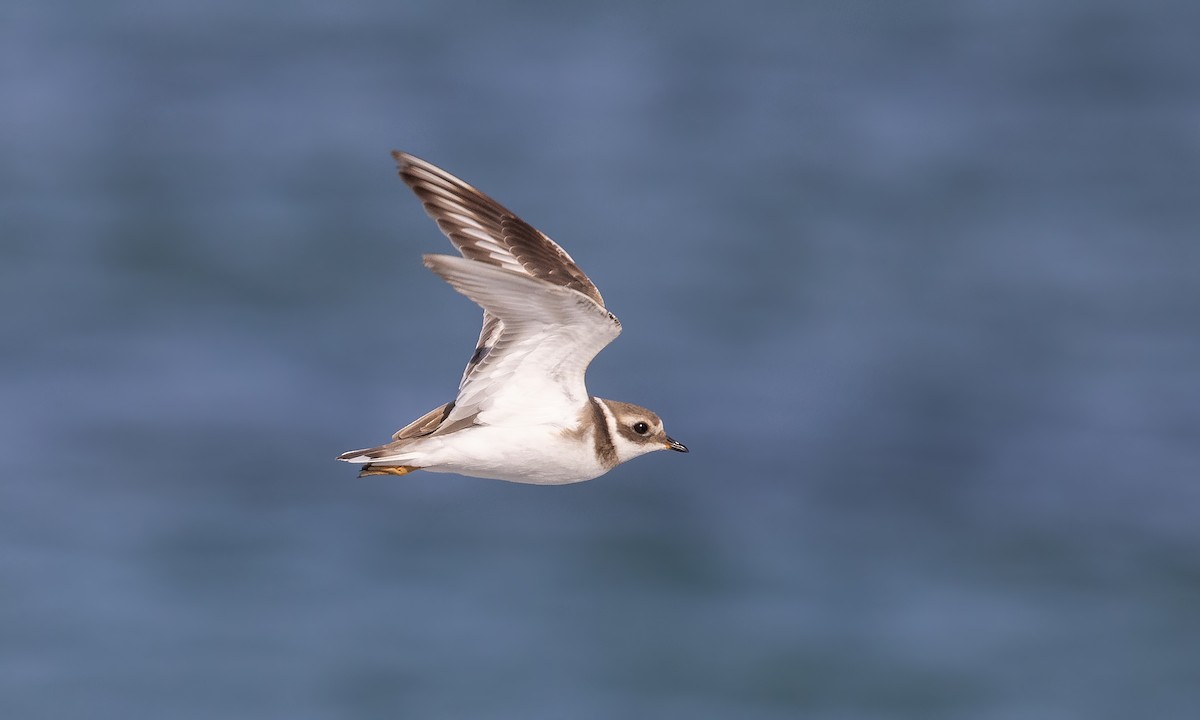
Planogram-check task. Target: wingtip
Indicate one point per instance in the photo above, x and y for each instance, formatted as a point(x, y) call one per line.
point(433, 260)
point(407, 162)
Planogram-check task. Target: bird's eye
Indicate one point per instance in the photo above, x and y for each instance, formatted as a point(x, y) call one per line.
point(641, 428)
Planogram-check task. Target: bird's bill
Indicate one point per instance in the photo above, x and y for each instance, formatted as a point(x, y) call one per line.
point(676, 445)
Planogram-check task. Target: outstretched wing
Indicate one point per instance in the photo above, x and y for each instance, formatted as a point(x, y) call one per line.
point(548, 335)
point(485, 231)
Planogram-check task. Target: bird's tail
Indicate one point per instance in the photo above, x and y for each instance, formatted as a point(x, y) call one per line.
point(373, 465)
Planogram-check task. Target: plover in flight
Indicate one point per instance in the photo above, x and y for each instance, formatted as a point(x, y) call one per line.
point(522, 413)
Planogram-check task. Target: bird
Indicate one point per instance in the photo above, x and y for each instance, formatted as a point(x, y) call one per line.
point(523, 412)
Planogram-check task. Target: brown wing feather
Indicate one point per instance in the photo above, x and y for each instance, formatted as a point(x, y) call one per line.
point(425, 424)
point(473, 222)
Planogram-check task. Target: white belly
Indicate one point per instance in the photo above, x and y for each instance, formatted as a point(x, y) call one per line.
point(541, 455)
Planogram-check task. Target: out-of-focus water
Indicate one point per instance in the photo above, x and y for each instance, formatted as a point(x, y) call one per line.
point(918, 283)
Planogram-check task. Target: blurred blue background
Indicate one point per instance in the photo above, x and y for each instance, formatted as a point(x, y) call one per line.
point(917, 282)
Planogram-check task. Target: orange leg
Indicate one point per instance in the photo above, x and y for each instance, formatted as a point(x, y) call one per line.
point(386, 470)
